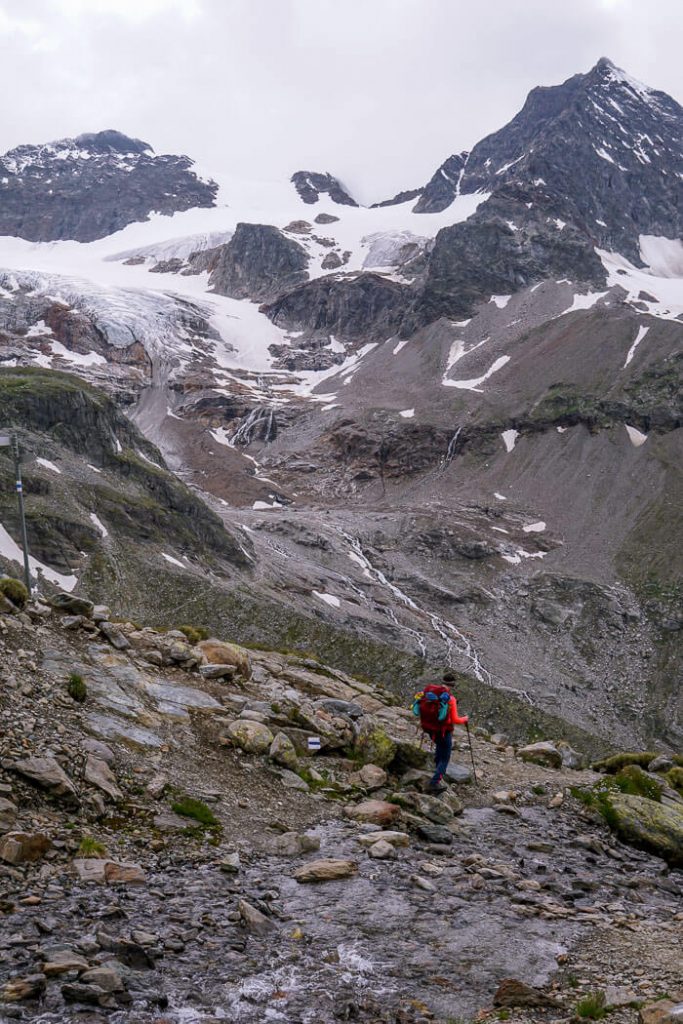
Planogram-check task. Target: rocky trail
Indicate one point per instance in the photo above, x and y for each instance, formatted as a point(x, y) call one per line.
point(174, 848)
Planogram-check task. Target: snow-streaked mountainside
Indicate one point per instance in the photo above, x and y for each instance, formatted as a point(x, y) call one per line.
point(448, 425)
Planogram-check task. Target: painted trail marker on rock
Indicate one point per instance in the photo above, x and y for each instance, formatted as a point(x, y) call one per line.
point(313, 743)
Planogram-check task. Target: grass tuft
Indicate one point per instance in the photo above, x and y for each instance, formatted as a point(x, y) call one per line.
point(76, 688)
point(14, 590)
point(189, 807)
point(592, 1006)
point(91, 847)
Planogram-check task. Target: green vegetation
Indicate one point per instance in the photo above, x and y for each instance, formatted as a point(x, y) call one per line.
point(14, 590)
point(504, 1014)
point(675, 779)
point(195, 633)
point(642, 758)
point(91, 847)
point(76, 688)
point(592, 1006)
point(189, 807)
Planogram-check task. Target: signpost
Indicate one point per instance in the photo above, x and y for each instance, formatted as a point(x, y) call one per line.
point(12, 441)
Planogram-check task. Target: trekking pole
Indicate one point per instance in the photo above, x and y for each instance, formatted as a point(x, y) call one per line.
point(469, 738)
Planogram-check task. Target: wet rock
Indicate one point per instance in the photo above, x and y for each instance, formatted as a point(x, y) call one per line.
point(438, 834)
point(325, 870)
point(514, 993)
point(252, 737)
point(72, 605)
point(218, 652)
point(373, 812)
point(253, 919)
point(21, 847)
point(99, 774)
point(381, 850)
point(543, 753)
point(283, 752)
point(294, 844)
point(116, 637)
point(31, 986)
point(48, 774)
point(393, 838)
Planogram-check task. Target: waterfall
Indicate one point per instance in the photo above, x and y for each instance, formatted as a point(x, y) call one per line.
point(452, 444)
point(260, 422)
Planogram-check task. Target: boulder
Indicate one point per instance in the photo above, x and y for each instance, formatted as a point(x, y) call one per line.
point(408, 754)
point(217, 671)
point(382, 850)
point(514, 993)
point(544, 753)
point(252, 737)
point(394, 838)
point(372, 776)
point(325, 870)
point(664, 1011)
point(254, 920)
point(21, 847)
point(72, 605)
point(373, 812)
point(124, 874)
point(374, 746)
point(48, 774)
point(62, 961)
point(31, 986)
point(98, 773)
point(283, 752)
point(646, 823)
point(294, 844)
point(106, 978)
point(458, 773)
point(661, 763)
point(8, 814)
point(438, 834)
point(115, 635)
point(290, 780)
point(89, 869)
point(218, 652)
point(571, 758)
point(230, 864)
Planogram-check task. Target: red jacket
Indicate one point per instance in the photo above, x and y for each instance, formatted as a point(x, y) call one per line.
point(453, 718)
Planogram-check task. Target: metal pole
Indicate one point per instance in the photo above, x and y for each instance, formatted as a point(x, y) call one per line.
point(22, 517)
point(474, 770)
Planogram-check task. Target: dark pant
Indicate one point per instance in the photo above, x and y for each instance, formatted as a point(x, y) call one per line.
point(442, 755)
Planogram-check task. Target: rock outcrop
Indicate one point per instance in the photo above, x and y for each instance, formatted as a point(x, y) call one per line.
point(258, 263)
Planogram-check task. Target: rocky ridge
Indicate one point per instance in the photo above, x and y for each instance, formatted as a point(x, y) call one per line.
point(91, 186)
point(169, 821)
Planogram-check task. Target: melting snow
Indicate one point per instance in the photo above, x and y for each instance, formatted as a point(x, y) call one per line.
point(401, 344)
point(635, 436)
point(94, 468)
point(38, 329)
point(172, 560)
point(330, 599)
point(560, 430)
point(48, 465)
point(407, 414)
point(473, 385)
point(13, 553)
point(664, 256)
point(500, 300)
point(501, 497)
point(261, 506)
point(100, 525)
point(81, 359)
point(642, 331)
point(534, 527)
point(666, 289)
point(509, 439)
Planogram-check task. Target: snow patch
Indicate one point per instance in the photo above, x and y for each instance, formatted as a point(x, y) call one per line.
point(407, 414)
point(500, 497)
point(509, 439)
point(10, 550)
point(330, 599)
point(473, 384)
point(99, 524)
point(500, 300)
point(538, 527)
point(635, 436)
point(642, 331)
point(172, 560)
point(48, 465)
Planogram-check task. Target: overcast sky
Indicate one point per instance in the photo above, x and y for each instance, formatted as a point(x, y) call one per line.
point(377, 91)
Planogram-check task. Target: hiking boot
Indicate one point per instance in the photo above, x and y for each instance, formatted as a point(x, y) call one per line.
point(433, 788)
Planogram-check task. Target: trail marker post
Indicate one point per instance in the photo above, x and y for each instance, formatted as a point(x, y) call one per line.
point(12, 441)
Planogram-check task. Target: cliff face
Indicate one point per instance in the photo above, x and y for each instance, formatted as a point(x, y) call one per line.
point(258, 263)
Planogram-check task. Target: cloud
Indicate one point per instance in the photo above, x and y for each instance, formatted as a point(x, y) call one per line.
point(377, 91)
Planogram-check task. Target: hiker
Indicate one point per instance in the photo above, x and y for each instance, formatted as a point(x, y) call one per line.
point(437, 709)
